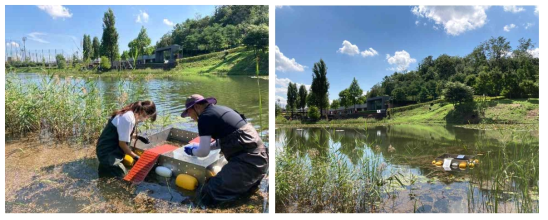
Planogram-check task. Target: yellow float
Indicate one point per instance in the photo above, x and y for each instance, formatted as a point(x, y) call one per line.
point(462, 165)
point(186, 181)
point(128, 161)
point(439, 163)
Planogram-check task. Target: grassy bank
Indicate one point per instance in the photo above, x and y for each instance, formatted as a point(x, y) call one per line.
point(239, 61)
point(511, 113)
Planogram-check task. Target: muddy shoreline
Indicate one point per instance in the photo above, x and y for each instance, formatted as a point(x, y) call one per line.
point(62, 178)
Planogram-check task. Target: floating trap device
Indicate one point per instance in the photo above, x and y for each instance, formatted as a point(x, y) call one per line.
point(455, 162)
point(177, 160)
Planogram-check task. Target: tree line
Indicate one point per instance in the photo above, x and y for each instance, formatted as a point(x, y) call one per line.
point(316, 98)
point(491, 69)
point(228, 27)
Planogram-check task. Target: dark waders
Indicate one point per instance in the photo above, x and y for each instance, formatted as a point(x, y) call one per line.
point(110, 154)
point(247, 165)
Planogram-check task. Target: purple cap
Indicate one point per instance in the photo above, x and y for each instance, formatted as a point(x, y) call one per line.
point(195, 99)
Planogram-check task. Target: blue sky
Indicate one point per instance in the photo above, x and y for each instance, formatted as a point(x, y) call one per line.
point(370, 42)
point(59, 27)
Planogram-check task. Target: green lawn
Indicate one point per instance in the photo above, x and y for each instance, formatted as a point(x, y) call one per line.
point(498, 112)
point(239, 61)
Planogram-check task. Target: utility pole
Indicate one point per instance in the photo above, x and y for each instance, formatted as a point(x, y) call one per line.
point(11, 50)
point(24, 48)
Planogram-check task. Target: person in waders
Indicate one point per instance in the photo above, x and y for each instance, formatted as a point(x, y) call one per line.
point(240, 144)
point(113, 144)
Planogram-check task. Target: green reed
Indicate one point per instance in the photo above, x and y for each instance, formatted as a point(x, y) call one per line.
point(61, 109)
point(507, 180)
point(313, 176)
point(67, 109)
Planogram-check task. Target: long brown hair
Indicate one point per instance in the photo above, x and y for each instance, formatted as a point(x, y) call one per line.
point(145, 108)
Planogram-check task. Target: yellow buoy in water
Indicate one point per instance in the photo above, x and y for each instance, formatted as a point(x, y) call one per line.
point(128, 161)
point(471, 165)
point(462, 165)
point(476, 161)
point(439, 163)
point(186, 181)
point(434, 162)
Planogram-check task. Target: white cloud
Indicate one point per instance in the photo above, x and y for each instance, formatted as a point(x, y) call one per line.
point(513, 8)
point(348, 48)
point(12, 44)
point(369, 53)
point(400, 61)
point(282, 6)
point(534, 52)
point(417, 22)
point(435, 27)
point(455, 19)
point(509, 27)
point(536, 10)
point(35, 36)
point(168, 22)
point(282, 100)
point(142, 17)
point(56, 11)
point(283, 83)
point(285, 64)
point(351, 49)
point(528, 25)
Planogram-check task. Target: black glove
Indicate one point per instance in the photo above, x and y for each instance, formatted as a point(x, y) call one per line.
point(143, 139)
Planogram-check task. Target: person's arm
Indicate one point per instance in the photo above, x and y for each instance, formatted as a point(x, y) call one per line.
point(125, 126)
point(126, 149)
point(203, 149)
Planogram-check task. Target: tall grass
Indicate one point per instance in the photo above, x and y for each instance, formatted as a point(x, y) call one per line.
point(509, 175)
point(325, 180)
point(340, 171)
point(73, 110)
point(58, 108)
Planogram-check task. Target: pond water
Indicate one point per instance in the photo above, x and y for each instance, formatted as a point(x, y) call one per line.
point(46, 176)
point(169, 92)
point(344, 162)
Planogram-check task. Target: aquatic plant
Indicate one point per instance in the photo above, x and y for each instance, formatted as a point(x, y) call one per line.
point(325, 180)
point(509, 175)
point(67, 109)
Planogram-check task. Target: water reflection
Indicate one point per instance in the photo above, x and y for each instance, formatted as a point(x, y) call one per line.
point(506, 179)
point(169, 92)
